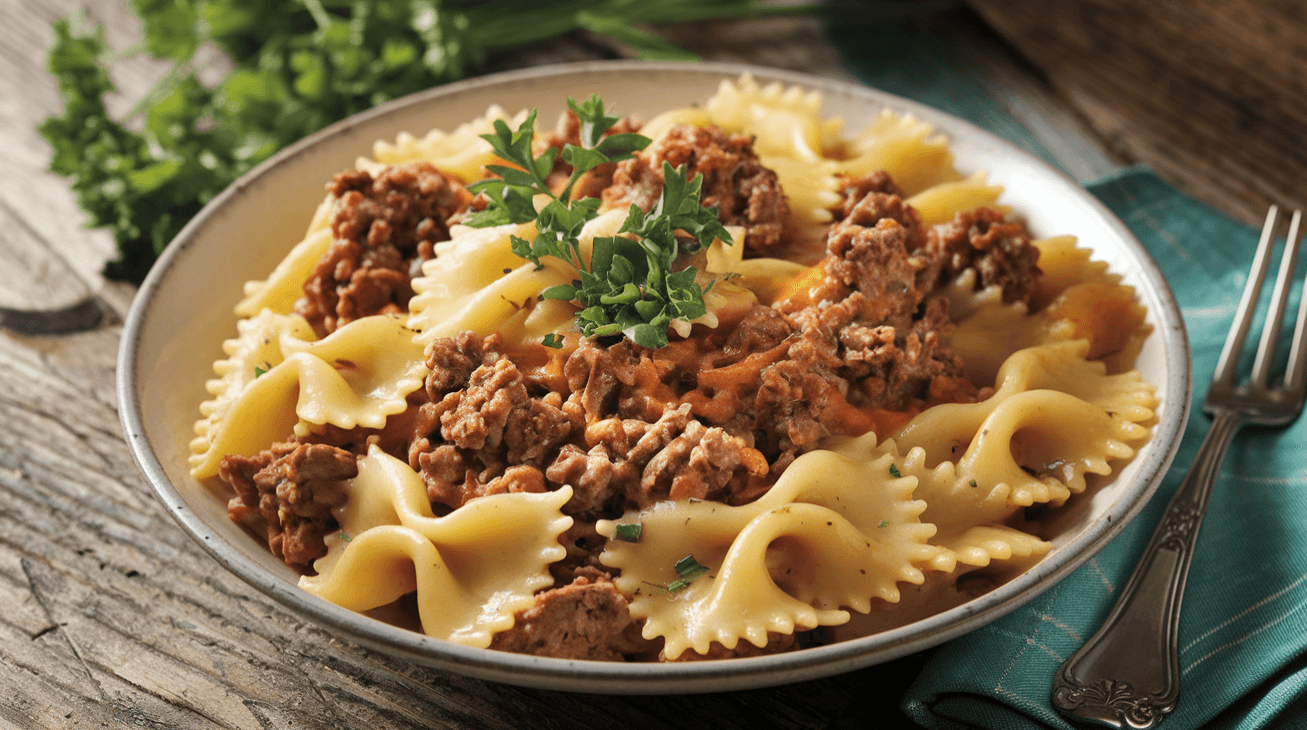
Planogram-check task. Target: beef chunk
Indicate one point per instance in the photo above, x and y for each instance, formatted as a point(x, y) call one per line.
point(488, 436)
point(293, 488)
point(1000, 251)
point(855, 189)
point(382, 229)
point(622, 379)
point(746, 193)
point(583, 620)
point(676, 457)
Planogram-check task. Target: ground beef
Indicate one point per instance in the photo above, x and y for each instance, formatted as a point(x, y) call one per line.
point(450, 361)
point(799, 401)
point(615, 380)
point(584, 545)
point(382, 229)
point(746, 193)
point(584, 620)
point(676, 457)
point(488, 435)
point(761, 329)
point(876, 308)
point(290, 489)
point(999, 250)
point(854, 189)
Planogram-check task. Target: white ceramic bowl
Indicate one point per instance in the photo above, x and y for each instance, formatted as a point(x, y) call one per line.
point(184, 311)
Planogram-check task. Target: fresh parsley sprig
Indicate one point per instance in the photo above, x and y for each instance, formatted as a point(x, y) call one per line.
point(630, 284)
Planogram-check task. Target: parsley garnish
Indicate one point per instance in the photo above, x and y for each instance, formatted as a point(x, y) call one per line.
point(883, 523)
point(689, 569)
point(345, 537)
point(628, 532)
point(973, 482)
point(552, 340)
point(894, 471)
point(630, 286)
point(259, 370)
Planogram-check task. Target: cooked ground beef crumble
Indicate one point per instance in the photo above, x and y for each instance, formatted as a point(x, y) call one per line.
point(382, 230)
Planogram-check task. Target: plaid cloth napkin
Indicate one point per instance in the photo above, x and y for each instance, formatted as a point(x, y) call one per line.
point(1243, 633)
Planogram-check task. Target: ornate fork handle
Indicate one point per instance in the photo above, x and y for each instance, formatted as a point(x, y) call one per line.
point(1128, 674)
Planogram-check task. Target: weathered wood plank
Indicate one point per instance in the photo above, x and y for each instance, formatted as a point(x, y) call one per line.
point(50, 260)
point(1211, 95)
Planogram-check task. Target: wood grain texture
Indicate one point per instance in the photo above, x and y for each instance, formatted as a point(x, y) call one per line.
point(1211, 94)
point(49, 259)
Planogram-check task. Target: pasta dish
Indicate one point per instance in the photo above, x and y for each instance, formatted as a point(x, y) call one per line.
point(723, 383)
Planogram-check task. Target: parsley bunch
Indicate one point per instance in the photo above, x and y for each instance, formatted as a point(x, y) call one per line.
point(629, 286)
point(298, 65)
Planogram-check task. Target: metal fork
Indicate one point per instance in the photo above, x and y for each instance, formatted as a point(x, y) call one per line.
point(1128, 674)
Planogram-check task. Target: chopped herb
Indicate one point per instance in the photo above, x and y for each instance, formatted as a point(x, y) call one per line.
point(689, 569)
point(345, 537)
point(628, 531)
point(973, 482)
point(894, 471)
point(883, 523)
point(552, 340)
point(678, 585)
point(630, 286)
point(688, 566)
point(259, 370)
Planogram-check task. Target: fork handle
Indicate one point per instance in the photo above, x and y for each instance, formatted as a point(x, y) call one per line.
point(1128, 674)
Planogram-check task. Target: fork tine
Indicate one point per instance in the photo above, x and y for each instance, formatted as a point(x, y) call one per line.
point(1279, 298)
point(1243, 318)
point(1295, 375)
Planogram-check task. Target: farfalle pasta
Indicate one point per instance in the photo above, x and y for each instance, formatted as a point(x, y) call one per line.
point(889, 381)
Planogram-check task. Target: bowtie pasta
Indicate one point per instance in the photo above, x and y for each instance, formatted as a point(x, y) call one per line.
point(890, 382)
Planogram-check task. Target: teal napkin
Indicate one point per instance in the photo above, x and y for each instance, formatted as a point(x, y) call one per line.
point(1243, 631)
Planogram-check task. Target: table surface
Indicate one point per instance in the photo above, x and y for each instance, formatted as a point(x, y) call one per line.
point(111, 617)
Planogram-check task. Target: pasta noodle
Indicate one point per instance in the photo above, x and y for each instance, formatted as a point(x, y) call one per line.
point(842, 441)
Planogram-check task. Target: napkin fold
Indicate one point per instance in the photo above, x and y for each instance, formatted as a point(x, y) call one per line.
point(1243, 630)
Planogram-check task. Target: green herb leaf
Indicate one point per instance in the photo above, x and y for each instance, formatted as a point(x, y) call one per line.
point(628, 532)
point(688, 566)
point(894, 471)
point(689, 570)
point(631, 285)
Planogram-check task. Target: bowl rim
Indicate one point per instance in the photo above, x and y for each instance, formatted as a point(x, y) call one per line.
point(684, 677)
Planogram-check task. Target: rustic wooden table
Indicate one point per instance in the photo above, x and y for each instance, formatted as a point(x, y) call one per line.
point(111, 617)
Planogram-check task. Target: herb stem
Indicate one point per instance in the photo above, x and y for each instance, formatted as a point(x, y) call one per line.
point(320, 16)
